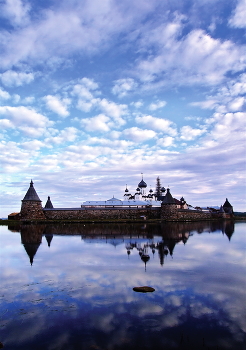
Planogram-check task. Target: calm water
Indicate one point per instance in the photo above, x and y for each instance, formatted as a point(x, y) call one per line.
point(70, 286)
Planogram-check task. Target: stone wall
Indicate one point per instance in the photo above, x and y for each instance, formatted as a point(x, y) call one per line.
point(169, 212)
point(185, 214)
point(102, 214)
point(32, 210)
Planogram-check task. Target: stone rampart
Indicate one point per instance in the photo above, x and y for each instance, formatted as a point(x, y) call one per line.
point(186, 214)
point(102, 214)
point(167, 212)
point(170, 212)
point(31, 210)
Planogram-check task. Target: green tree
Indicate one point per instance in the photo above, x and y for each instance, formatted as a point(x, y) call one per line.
point(158, 187)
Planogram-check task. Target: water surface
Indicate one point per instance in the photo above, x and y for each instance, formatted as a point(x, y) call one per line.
point(71, 286)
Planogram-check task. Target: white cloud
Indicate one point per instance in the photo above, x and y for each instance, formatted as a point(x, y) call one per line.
point(97, 123)
point(68, 134)
point(236, 104)
point(228, 98)
point(28, 100)
point(57, 105)
point(115, 134)
point(16, 98)
point(236, 87)
point(165, 141)
point(229, 126)
point(196, 58)
point(89, 83)
point(86, 106)
point(188, 133)
point(157, 124)
point(138, 135)
point(137, 104)
point(82, 92)
point(113, 110)
point(12, 78)
point(33, 145)
point(87, 27)
point(16, 11)
point(156, 105)
point(13, 159)
point(120, 144)
point(239, 15)
point(4, 95)
point(26, 119)
point(208, 104)
point(6, 123)
point(85, 91)
point(123, 86)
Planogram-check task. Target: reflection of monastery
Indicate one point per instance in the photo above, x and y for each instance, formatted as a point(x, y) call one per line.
point(141, 205)
point(148, 241)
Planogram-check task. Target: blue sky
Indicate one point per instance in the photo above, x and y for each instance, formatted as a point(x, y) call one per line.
point(94, 93)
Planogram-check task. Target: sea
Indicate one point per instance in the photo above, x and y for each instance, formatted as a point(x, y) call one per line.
point(71, 286)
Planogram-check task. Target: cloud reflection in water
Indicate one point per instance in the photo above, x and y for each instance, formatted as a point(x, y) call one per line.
point(77, 294)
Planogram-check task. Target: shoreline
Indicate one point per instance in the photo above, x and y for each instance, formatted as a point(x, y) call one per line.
point(123, 221)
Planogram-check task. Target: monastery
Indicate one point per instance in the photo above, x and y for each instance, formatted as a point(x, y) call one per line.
point(141, 205)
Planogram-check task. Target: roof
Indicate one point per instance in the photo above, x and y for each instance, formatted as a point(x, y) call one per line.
point(48, 204)
point(142, 184)
point(31, 194)
point(227, 204)
point(168, 198)
point(121, 203)
point(114, 200)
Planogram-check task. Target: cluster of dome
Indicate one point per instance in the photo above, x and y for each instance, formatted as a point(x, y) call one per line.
point(142, 194)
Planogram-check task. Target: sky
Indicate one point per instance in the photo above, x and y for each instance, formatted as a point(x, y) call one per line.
point(95, 93)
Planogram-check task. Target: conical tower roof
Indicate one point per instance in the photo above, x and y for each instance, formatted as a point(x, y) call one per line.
point(31, 249)
point(227, 204)
point(49, 238)
point(168, 198)
point(48, 204)
point(31, 194)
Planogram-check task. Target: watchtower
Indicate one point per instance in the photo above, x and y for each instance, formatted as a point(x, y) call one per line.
point(31, 208)
point(169, 209)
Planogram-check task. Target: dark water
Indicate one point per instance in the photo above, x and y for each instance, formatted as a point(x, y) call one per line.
point(71, 286)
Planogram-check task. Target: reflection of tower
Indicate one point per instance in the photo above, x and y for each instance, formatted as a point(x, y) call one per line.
point(162, 251)
point(128, 249)
point(145, 256)
point(31, 238)
point(185, 237)
point(171, 244)
point(229, 229)
point(48, 237)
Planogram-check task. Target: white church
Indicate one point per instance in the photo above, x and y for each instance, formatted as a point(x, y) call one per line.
point(140, 199)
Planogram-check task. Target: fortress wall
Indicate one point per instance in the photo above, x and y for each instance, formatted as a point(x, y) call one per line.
point(193, 215)
point(167, 212)
point(170, 212)
point(32, 210)
point(101, 214)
